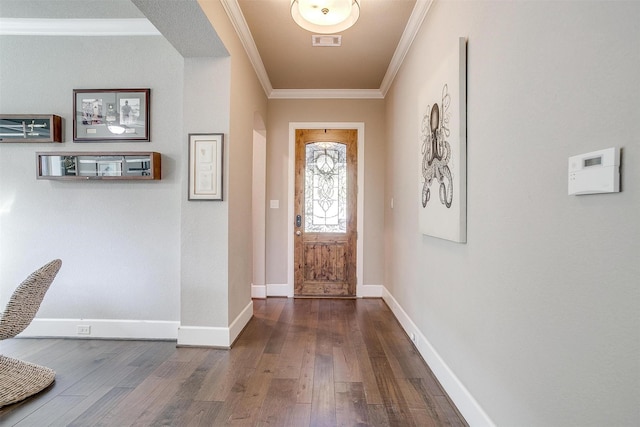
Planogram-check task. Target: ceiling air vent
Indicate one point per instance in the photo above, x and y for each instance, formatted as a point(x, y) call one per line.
point(325, 40)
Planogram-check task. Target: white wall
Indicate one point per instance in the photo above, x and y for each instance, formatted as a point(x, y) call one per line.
point(139, 260)
point(537, 315)
point(204, 256)
point(119, 241)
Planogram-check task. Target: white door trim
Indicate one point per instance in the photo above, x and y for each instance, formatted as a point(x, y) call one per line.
point(291, 196)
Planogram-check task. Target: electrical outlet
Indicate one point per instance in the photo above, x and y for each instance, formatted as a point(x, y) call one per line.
point(84, 330)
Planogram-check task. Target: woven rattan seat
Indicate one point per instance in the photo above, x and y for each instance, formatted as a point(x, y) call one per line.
point(18, 379)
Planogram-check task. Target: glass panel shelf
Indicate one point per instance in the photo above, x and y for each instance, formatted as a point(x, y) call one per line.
point(127, 165)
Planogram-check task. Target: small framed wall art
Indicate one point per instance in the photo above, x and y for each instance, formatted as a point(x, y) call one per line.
point(205, 166)
point(111, 115)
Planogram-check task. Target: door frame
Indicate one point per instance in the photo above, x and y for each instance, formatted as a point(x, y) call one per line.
point(359, 126)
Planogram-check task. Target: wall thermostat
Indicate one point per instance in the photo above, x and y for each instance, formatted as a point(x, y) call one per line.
point(595, 172)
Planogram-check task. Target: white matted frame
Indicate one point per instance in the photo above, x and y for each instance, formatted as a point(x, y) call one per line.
point(205, 166)
point(443, 148)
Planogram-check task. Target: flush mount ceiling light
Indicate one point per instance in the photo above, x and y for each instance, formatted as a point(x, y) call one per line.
point(325, 16)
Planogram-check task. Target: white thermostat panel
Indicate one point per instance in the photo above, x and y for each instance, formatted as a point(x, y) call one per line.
point(595, 172)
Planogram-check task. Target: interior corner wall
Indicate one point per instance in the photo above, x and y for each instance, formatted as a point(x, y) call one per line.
point(247, 98)
point(536, 316)
point(204, 224)
point(281, 113)
point(247, 101)
point(119, 241)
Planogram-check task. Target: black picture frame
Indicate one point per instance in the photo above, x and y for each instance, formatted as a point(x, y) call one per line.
point(103, 115)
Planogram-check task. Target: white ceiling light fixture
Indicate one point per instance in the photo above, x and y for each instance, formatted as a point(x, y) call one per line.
point(325, 16)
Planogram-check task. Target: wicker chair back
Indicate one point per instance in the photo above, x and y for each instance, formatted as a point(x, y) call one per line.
point(26, 299)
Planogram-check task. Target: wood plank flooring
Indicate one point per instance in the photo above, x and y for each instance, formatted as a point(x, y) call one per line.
point(299, 362)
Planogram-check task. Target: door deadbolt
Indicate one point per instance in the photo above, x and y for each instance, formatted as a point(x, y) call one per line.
point(298, 220)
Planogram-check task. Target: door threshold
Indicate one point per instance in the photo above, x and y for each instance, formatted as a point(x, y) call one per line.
point(325, 296)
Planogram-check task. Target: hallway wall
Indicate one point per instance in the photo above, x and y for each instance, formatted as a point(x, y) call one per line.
point(537, 314)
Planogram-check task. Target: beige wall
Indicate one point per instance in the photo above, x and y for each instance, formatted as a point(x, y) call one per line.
point(281, 113)
point(537, 315)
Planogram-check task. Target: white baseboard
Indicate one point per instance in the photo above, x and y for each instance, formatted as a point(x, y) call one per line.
point(103, 329)
point(203, 336)
point(370, 291)
point(464, 401)
point(240, 322)
point(279, 290)
point(258, 291)
point(141, 329)
point(219, 337)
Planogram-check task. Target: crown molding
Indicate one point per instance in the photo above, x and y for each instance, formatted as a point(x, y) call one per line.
point(242, 29)
point(418, 14)
point(326, 94)
point(420, 11)
point(77, 27)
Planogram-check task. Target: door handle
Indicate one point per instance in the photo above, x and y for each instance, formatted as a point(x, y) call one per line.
point(298, 233)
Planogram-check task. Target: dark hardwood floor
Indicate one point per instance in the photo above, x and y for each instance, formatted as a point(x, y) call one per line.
point(302, 362)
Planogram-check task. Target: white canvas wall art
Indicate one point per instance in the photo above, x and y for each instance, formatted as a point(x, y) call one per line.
point(443, 147)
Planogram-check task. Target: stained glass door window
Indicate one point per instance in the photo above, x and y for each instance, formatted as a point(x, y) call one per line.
point(325, 195)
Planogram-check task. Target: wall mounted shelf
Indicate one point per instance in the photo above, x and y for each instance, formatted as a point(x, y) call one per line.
point(30, 128)
point(75, 165)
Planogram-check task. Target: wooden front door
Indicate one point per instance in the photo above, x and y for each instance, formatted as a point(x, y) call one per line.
point(325, 212)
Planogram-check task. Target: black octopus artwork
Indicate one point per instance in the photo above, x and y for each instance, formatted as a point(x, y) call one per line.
point(436, 151)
